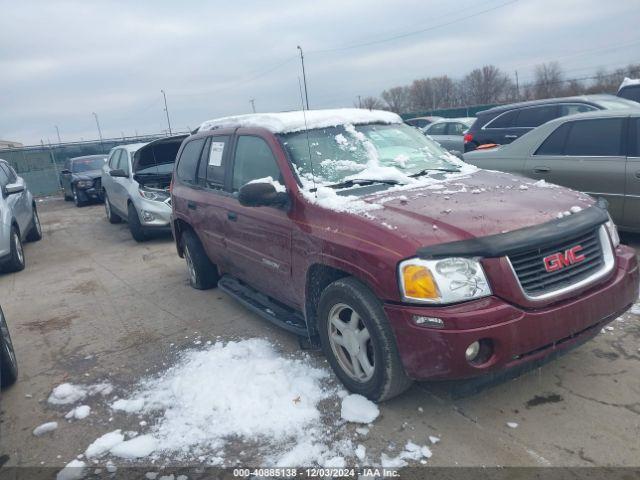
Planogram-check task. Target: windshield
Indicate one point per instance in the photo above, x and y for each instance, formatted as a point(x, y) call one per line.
point(373, 152)
point(87, 164)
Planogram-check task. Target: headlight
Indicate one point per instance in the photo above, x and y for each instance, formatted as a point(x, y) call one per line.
point(613, 232)
point(155, 195)
point(84, 183)
point(448, 280)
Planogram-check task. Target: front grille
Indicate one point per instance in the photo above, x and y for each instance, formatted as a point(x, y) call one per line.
point(97, 184)
point(535, 280)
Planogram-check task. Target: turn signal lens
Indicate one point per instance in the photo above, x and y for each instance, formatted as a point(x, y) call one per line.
point(419, 283)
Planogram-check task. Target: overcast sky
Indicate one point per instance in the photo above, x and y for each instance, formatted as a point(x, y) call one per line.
point(62, 60)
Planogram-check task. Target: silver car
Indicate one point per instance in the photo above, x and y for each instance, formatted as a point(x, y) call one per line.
point(135, 183)
point(597, 153)
point(449, 132)
point(19, 220)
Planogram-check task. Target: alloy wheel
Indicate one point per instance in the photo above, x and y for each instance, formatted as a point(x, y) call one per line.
point(18, 246)
point(190, 266)
point(351, 342)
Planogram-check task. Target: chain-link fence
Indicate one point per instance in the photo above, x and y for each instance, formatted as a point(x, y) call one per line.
point(40, 165)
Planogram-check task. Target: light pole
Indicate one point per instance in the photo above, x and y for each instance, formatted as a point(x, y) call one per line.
point(253, 104)
point(166, 111)
point(304, 77)
point(58, 132)
point(95, 115)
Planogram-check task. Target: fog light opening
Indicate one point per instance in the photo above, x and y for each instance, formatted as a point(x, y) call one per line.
point(479, 352)
point(148, 216)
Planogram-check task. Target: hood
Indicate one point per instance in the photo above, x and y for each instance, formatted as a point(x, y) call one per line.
point(88, 175)
point(157, 156)
point(476, 205)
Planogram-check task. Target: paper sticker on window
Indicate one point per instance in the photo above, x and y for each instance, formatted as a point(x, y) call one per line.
point(215, 154)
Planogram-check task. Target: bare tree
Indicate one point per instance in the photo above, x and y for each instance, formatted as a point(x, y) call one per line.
point(397, 99)
point(421, 94)
point(548, 80)
point(371, 103)
point(443, 91)
point(486, 85)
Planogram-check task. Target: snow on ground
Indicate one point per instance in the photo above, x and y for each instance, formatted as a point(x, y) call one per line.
point(104, 444)
point(74, 470)
point(356, 408)
point(45, 428)
point(79, 413)
point(68, 393)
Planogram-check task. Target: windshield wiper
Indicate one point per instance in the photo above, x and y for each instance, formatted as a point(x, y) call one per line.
point(427, 170)
point(359, 181)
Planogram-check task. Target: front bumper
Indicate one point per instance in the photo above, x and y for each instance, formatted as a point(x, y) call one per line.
point(88, 194)
point(519, 336)
point(153, 214)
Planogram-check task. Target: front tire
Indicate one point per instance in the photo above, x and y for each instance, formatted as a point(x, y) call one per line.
point(108, 209)
point(203, 274)
point(16, 257)
point(358, 342)
point(8, 362)
point(76, 197)
point(35, 233)
point(137, 230)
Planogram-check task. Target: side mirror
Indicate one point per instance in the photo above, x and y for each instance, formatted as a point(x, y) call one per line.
point(118, 172)
point(261, 195)
point(65, 172)
point(12, 188)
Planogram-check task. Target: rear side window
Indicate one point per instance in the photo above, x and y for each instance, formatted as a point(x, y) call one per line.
point(535, 116)
point(554, 144)
point(456, 128)
point(598, 137)
point(571, 109)
point(437, 129)
point(253, 160)
point(505, 120)
point(211, 170)
point(188, 162)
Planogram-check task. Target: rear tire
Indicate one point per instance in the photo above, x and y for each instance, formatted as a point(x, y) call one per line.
point(111, 216)
point(35, 233)
point(137, 230)
point(354, 318)
point(16, 257)
point(8, 362)
point(203, 274)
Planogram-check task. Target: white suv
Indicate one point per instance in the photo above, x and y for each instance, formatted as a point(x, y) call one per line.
point(18, 219)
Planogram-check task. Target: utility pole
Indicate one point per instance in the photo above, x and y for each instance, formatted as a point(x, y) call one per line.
point(95, 115)
point(304, 77)
point(166, 111)
point(517, 87)
point(253, 104)
point(359, 101)
point(58, 132)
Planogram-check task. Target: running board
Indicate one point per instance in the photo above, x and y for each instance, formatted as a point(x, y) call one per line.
point(264, 306)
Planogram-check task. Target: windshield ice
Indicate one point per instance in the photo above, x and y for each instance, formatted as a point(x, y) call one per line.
point(372, 152)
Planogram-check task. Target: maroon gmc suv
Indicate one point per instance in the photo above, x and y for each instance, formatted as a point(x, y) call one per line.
point(363, 236)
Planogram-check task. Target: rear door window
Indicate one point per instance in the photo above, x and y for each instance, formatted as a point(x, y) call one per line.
point(123, 162)
point(597, 137)
point(253, 160)
point(437, 129)
point(456, 128)
point(113, 161)
point(188, 162)
point(573, 108)
point(554, 144)
point(212, 168)
point(505, 120)
point(535, 116)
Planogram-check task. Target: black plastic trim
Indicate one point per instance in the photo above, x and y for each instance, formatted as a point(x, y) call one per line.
point(523, 239)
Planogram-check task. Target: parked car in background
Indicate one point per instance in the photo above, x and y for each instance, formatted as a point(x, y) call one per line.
point(355, 247)
point(19, 221)
point(8, 362)
point(81, 179)
point(597, 153)
point(630, 89)
point(449, 132)
point(502, 125)
point(421, 122)
point(135, 182)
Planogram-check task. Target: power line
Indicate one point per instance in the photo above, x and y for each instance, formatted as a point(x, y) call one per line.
point(414, 32)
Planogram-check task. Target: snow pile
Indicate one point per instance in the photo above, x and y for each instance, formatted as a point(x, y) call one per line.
point(512, 424)
point(74, 470)
point(67, 393)
point(45, 428)
point(356, 408)
point(411, 451)
point(79, 413)
point(328, 198)
point(103, 444)
point(238, 389)
point(296, 121)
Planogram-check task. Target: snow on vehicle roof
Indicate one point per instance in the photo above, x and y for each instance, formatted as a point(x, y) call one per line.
point(286, 122)
point(629, 81)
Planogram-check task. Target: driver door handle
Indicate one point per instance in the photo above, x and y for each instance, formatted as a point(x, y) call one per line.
point(511, 137)
point(541, 169)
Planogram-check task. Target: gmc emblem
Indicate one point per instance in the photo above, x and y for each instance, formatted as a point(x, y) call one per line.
point(557, 261)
